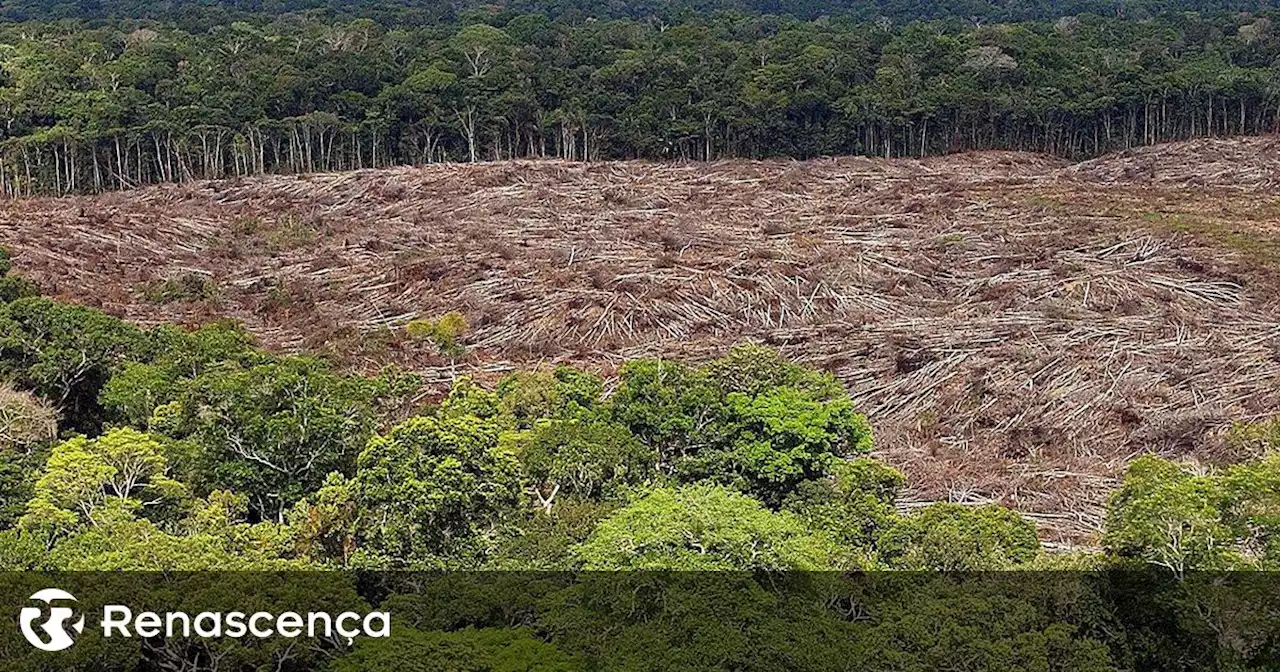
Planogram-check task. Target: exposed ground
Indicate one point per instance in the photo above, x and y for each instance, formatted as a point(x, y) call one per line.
point(1016, 328)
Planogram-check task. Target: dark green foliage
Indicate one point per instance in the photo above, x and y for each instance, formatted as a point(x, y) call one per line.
point(753, 370)
point(65, 353)
point(239, 98)
point(14, 287)
point(18, 473)
point(271, 431)
point(485, 650)
point(870, 478)
point(699, 620)
point(21, 551)
point(521, 476)
point(992, 621)
point(545, 539)
point(467, 398)
point(1168, 516)
point(666, 404)
point(426, 12)
point(588, 457)
point(879, 621)
point(172, 357)
point(566, 441)
point(782, 438)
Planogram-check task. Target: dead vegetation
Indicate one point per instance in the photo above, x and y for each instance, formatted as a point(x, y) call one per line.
point(1251, 164)
point(1015, 328)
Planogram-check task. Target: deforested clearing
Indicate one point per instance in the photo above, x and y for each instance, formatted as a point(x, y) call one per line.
point(1015, 327)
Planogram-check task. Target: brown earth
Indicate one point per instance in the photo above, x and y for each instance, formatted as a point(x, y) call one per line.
point(1016, 328)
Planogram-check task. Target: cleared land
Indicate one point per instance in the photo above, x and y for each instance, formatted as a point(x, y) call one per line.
point(1016, 328)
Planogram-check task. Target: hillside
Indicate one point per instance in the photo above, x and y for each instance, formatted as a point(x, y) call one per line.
point(1015, 327)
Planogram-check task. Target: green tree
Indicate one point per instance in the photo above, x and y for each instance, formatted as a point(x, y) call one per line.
point(470, 650)
point(702, 527)
point(433, 492)
point(1169, 517)
point(782, 438)
point(586, 457)
point(171, 357)
point(213, 538)
point(544, 540)
point(64, 353)
point(530, 396)
point(122, 470)
point(751, 420)
point(28, 425)
point(270, 431)
point(855, 505)
point(954, 537)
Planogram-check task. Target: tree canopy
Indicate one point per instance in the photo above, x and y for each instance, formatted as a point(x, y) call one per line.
point(118, 102)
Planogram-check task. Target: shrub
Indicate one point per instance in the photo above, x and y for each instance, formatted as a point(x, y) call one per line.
point(1256, 438)
point(752, 370)
point(13, 288)
point(446, 332)
point(545, 541)
point(781, 438)
point(188, 286)
point(664, 403)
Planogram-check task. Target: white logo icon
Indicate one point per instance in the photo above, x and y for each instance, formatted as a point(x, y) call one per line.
point(57, 636)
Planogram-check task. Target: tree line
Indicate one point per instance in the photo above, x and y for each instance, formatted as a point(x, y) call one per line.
point(202, 14)
point(124, 103)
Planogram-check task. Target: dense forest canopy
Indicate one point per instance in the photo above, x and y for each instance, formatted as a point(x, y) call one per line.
point(114, 104)
point(207, 13)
